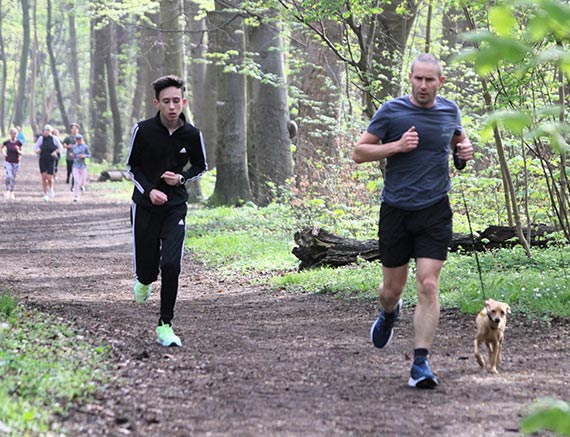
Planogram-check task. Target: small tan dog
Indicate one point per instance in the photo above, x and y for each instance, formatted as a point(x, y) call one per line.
point(491, 323)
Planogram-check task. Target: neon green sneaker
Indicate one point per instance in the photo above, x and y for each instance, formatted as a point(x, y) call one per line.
point(142, 292)
point(167, 337)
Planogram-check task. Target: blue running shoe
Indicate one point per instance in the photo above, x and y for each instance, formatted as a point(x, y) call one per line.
point(382, 330)
point(421, 376)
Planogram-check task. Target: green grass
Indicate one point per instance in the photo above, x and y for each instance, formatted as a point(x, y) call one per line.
point(257, 243)
point(44, 366)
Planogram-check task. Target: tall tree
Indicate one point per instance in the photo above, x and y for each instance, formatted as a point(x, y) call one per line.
point(232, 182)
point(77, 102)
point(112, 85)
point(53, 65)
point(4, 79)
point(98, 90)
point(34, 72)
point(20, 102)
point(269, 143)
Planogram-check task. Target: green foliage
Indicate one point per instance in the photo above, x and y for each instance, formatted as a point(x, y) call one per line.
point(548, 415)
point(44, 366)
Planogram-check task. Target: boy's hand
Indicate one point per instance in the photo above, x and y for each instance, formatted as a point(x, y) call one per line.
point(171, 178)
point(157, 197)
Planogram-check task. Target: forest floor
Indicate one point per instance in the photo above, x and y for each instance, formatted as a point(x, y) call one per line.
point(254, 361)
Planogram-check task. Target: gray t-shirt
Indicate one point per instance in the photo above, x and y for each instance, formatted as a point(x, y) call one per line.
point(420, 178)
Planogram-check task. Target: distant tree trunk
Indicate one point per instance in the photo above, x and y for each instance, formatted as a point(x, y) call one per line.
point(393, 31)
point(232, 182)
point(112, 84)
point(141, 85)
point(271, 159)
point(34, 72)
point(4, 76)
point(172, 37)
point(20, 102)
point(53, 66)
point(173, 42)
point(77, 103)
point(98, 99)
point(208, 111)
point(153, 54)
point(321, 81)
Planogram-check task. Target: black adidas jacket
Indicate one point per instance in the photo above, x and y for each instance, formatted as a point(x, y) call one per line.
point(153, 151)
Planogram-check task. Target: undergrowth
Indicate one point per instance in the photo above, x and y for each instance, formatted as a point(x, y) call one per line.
point(44, 367)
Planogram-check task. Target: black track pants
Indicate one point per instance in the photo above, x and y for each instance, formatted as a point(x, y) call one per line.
point(158, 245)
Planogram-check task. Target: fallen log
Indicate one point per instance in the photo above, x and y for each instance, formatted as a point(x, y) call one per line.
point(114, 175)
point(317, 247)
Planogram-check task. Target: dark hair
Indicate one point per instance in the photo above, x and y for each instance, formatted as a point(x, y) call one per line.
point(429, 59)
point(167, 81)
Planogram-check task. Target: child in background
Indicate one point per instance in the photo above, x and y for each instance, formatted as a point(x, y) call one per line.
point(79, 152)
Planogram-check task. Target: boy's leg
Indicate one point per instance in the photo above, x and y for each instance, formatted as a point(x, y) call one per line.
point(146, 244)
point(172, 238)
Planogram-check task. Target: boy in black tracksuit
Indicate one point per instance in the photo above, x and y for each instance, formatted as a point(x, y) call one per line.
point(160, 149)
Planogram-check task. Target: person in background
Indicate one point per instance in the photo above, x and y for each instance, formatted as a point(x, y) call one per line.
point(68, 143)
point(160, 149)
point(20, 136)
point(47, 148)
point(12, 152)
point(415, 133)
point(79, 152)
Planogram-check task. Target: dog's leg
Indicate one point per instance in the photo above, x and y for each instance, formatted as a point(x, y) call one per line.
point(499, 347)
point(493, 357)
point(478, 352)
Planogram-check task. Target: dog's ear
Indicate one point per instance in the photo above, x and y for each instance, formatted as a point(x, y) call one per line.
point(508, 309)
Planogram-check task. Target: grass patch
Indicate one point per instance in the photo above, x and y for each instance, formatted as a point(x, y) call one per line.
point(257, 243)
point(44, 366)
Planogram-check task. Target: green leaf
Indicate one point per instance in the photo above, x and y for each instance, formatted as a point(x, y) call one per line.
point(502, 20)
point(548, 414)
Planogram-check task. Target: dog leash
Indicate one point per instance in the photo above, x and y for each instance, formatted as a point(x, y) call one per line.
point(474, 249)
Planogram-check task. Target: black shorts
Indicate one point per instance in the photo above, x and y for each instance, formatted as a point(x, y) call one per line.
point(423, 233)
point(47, 165)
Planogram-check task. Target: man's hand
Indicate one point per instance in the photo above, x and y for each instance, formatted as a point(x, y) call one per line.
point(157, 197)
point(409, 140)
point(171, 178)
point(464, 150)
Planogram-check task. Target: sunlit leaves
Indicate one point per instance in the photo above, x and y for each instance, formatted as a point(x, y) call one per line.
point(548, 414)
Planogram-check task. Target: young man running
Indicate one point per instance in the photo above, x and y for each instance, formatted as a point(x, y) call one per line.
point(160, 149)
point(415, 133)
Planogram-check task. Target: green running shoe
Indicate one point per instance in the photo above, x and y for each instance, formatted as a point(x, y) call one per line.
point(142, 292)
point(167, 337)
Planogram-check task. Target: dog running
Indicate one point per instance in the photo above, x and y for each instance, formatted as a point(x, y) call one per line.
point(491, 324)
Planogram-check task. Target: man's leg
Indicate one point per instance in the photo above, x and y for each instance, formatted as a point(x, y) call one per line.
point(426, 320)
point(392, 286)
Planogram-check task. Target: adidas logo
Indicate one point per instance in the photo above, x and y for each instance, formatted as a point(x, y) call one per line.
point(181, 222)
point(183, 150)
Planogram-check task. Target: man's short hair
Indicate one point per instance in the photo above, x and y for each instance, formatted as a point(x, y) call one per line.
point(74, 124)
point(429, 59)
point(167, 81)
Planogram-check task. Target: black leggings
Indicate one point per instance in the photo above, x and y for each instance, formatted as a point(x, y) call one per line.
point(158, 246)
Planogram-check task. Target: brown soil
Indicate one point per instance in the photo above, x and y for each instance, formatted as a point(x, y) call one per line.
point(254, 361)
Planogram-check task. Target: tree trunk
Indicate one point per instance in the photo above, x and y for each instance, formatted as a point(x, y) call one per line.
point(171, 35)
point(53, 66)
point(77, 104)
point(232, 182)
point(4, 76)
point(34, 72)
point(141, 84)
point(388, 52)
point(271, 160)
point(112, 84)
point(98, 99)
point(20, 101)
point(154, 60)
point(321, 81)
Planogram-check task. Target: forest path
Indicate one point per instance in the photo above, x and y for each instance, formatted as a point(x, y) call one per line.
point(254, 362)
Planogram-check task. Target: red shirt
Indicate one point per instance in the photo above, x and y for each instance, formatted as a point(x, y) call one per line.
point(12, 149)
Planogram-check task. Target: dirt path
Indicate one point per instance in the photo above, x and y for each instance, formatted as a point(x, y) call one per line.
point(254, 362)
